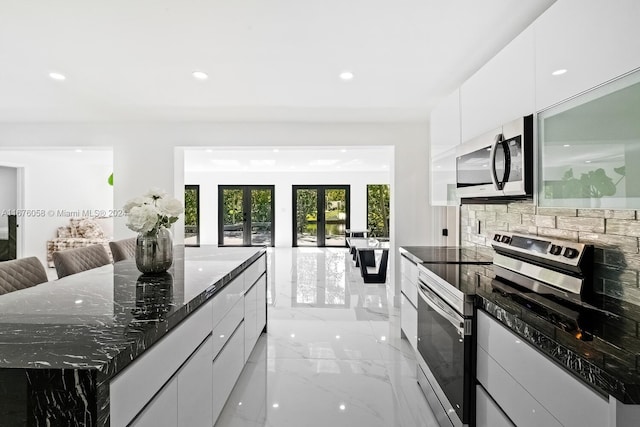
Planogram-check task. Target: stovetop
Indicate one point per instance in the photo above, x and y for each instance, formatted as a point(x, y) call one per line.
point(449, 255)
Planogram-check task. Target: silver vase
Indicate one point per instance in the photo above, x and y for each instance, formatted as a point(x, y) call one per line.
point(154, 251)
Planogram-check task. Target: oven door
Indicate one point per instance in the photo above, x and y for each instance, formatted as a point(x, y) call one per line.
point(445, 345)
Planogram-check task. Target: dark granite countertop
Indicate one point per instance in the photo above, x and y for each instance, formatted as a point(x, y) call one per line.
point(103, 318)
point(448, 254)
point(595, 339)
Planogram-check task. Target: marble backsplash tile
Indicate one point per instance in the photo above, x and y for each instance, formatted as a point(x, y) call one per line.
point(614, 233)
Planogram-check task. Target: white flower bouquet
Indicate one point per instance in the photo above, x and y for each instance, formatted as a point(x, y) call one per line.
point(151, 212)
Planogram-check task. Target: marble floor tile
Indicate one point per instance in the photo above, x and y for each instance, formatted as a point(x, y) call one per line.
point(332, 356)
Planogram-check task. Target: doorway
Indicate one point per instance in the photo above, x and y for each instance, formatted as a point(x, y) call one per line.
point(245, 215)
point(321, 215)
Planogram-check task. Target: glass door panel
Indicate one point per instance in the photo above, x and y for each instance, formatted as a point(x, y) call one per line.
point(233, 217)
point(261, 216)
point(335, 216)
point(322, 215)
point(192, 215)
point(245, 215)
point(306, 201)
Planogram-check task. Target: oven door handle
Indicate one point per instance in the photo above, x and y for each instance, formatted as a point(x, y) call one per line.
point(441, 307)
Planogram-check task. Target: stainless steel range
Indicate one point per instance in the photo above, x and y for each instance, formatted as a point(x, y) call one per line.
point(446, 347)
point(446, 311)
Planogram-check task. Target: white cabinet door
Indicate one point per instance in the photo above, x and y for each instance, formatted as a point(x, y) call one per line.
point(593, 40)
point(162, 410)
point(195, 391)
point(409, 320)
point(261, 310)
point(530, 388)
point(250, 320)
point(226, 370)
point(502, 90)
point(488, 414)
point(409, 279)
point(443, 179)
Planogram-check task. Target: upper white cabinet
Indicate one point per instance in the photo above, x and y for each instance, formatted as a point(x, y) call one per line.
point(593, 40)
point(502, 90)
point(445, 136)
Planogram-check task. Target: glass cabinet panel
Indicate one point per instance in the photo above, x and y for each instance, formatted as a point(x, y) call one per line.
point(589, 148)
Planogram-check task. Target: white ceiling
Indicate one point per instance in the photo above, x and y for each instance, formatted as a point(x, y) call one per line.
point(290, 159)
point(267, 60)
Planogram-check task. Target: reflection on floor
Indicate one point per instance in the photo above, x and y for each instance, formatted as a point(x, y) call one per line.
point(332, 355)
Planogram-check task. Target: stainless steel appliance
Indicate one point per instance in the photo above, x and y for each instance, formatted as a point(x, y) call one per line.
point(446, 309)
point(497, 165)
point(446, 347)
point(543, 265)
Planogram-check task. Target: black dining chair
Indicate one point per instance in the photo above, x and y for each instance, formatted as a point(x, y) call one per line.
point(20, 274)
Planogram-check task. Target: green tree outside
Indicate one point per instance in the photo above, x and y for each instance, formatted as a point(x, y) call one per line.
point(378, 201)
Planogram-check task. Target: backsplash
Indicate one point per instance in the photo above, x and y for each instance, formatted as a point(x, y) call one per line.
point(614, 233)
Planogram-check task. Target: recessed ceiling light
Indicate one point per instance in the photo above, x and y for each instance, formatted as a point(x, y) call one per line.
point(343, 150)
point(78, 150)
point(587, 161)
point(343, 407)
point(275, 150)
point(200, 75)
point(57, 76)
point(559, 72)
point(567, 145)
point(346, 75)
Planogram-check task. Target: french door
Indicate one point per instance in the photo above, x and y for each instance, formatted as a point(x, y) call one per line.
point(321, 215)
point(245, 215)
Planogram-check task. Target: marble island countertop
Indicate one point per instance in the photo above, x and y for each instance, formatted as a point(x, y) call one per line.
point(62, 342)
point(103, 318)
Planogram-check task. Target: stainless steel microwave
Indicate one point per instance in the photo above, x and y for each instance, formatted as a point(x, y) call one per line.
point(498, 165)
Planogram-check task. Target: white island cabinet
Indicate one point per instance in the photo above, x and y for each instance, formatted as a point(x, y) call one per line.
point(186, 377)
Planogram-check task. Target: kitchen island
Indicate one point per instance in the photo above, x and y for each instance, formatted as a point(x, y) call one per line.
point(111, 346)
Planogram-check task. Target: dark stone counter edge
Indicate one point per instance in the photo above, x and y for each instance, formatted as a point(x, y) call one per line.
point(156, 331)
point(411, 257)
point(591, 375)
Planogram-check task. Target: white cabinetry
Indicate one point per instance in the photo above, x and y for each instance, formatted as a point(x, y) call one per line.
point(502, 90)
point(593, 40)
point(250, 320)
point(488, 414)
point(409, 300)
point(186, 378)
point(528, 387)
point(445, 136)
point(194, 391)
point(162, 410)
point(226, 370)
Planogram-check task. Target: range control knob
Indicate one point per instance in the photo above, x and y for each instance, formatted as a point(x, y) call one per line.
point(497, 237)
point(555, 250)
point(506, 239)
point(570, 253)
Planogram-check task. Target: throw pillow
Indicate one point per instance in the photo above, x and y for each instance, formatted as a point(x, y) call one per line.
point(90, 229)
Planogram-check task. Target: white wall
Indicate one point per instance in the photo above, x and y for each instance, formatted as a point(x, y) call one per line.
point(8, 187)
point(58, 180)
point(145, 155)
point(283, 182)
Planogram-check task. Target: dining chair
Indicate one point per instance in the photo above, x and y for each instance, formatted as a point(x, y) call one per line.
point(123, 249)
point(21, 274)
point(74, 261)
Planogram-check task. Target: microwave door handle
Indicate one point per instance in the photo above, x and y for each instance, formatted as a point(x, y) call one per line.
point(450, 316)
point(494, 174)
